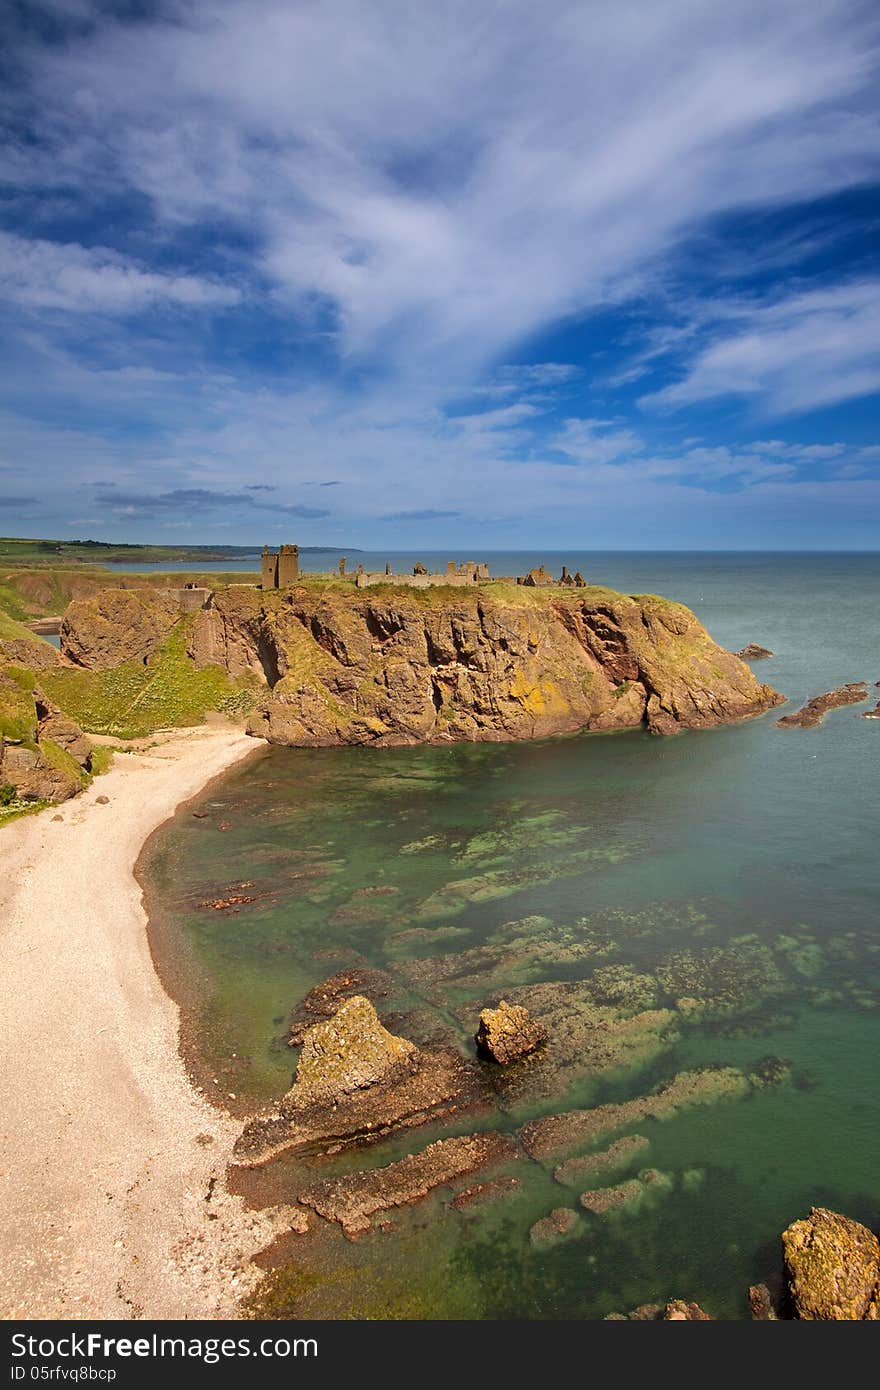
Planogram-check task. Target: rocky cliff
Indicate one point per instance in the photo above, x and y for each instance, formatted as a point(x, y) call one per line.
point(44, 756)
point(396, 666)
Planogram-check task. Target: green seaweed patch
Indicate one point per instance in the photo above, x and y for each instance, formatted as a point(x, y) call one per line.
point(801, 954)
point(458, 895)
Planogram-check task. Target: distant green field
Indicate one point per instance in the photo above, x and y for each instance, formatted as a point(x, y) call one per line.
point(47, 552)
point(15, 551)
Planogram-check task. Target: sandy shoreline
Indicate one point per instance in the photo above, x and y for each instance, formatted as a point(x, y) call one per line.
point(107, 1152)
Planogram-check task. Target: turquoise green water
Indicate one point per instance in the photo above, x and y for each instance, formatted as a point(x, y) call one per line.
point(725, 878)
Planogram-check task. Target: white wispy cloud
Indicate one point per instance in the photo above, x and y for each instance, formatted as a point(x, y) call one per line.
point(53, 275)
point(803, 351)
point(449, 187)
point(419, 192)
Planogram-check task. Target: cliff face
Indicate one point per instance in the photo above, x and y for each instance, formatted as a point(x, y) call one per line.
point(44, 755)
point(397, 667)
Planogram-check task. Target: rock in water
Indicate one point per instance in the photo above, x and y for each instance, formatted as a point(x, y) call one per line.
point(508, 1033)
point(559, 1225)
point(357, 1081)
point(680, 1311)
point(353, 1199)
point(347, 1052)
point(814, 711)
point(324, 1000)
point(752, 652)
point(762, 1304)
point(677, 1310)
point(833, 1268)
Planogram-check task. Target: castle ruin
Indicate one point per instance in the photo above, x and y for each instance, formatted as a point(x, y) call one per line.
point(458, 576)
point(279, 571)
point(540, 578)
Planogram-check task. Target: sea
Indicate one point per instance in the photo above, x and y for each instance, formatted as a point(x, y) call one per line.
point(671, 905)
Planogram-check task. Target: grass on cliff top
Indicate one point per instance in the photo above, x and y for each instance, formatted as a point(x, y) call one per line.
point(18, 719)
point(30, 592)
point(133, 700)
point(521, 595)
point(13, 630)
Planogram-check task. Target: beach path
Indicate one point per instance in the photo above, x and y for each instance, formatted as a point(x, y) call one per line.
point(107, 1152)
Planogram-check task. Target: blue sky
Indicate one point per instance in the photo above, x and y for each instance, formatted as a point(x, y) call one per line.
point(382, 273)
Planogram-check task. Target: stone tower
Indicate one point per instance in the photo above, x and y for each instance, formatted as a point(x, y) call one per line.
point(269, 568)
point(288, 565)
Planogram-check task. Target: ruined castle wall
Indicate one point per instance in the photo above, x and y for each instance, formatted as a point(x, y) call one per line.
point(288, 566)
point(416, 581)
point(190, 600)
point(269, 569)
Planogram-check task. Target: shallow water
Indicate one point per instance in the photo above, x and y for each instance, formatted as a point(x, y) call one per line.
point(727, 876)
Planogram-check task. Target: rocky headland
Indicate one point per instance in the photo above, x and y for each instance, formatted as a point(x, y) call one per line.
point(328, 664)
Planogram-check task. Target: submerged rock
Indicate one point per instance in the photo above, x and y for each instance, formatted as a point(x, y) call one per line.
point(814, 711)
point(600, 1200)
point(620, 1154)
point(562, 1223)
point(650, 1183)
point(833, 1268)
point(353, 1199)
point(508, 1033)
point(554, 1134)
point(482, 1192)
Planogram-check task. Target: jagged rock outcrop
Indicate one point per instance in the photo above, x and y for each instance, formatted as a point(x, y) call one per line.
point(34, 655)
point(43, 755)
point(348, 1052)
point(418, 666)
point(753, 652)
point(117, 625)
point(64, 733)
point(833, 1268)
point(508, 1033)
point(357, 1081)
point(763, 1306)
point(325, 999)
